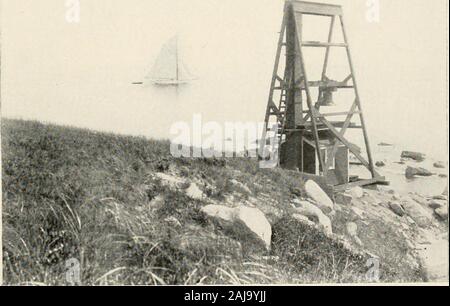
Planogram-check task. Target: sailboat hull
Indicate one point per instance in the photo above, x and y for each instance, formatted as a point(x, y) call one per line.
point(170, 82)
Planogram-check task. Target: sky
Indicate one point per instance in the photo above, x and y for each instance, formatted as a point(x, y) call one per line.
point(80, 73)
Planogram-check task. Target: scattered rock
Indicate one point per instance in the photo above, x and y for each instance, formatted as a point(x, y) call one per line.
point(412, 172)
point(420, 157)
point(241, 186)
point(410, 220)
point(358, 212)
point(356, 192)
point(243, 222)
point(319, 196)
point(194, 192)
point(396, 197)
point(380, 164)
point(397, 208)
point(296, 191)
point(434, 204)
point(170, 180)
point(419, 199)
point(157, 202)
point(419, 214)
point(352, 229)
point(309, 210)
point(383, 144)
point(343, 198)
point(442, 212)
point(440, 165)
point(303, 219)
point(440, 197)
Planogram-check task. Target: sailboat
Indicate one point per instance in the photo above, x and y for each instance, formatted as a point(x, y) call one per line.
point(169, 69)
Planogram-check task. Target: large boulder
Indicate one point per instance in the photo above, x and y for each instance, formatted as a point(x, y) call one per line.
point(412, 172)
point(244, 223)
point(413, 155)
point(419, 214)
point(311, 211)
point(316, 193)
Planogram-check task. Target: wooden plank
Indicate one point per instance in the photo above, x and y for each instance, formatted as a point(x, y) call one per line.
point(338, 124)
point(328, 84)
point(377, 180)
point(312, 8)
point(337, 114)
point(322, 44)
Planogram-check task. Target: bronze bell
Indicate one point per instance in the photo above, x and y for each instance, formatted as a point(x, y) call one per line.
point(327, 97)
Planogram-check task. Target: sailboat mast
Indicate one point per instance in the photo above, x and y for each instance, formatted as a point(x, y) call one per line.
point(176, 52)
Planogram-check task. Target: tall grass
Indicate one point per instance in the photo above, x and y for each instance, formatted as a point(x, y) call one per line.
point(73, 193)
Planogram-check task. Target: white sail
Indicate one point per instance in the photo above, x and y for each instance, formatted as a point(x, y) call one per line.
point(183, 72)
point(169, 68)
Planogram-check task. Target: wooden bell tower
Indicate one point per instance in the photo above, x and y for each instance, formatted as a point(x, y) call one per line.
point(307, 138)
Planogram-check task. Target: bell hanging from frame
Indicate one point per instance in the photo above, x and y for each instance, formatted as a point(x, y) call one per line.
point(327, 98)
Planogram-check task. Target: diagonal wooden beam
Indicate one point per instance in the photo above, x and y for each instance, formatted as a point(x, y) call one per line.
point(347, 122)
point(350, 146)
point(350, 76)
point(358, 100)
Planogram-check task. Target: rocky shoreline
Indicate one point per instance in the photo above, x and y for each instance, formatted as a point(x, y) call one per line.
point(420, 221)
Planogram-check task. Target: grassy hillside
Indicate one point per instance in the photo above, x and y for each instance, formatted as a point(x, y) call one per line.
point(72, 193)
